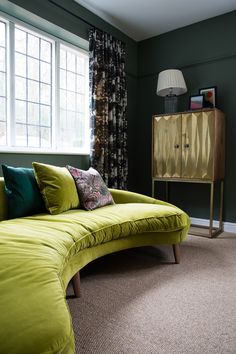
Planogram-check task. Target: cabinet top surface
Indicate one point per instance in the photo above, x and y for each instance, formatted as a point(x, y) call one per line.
point(188, 112)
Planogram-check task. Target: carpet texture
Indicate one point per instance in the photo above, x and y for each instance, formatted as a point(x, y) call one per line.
point(139, 302)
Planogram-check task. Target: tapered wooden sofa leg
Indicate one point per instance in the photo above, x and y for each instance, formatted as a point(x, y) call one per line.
point(76, 284)
point(176, 249)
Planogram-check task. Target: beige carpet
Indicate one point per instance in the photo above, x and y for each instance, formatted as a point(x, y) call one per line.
point(137, 302)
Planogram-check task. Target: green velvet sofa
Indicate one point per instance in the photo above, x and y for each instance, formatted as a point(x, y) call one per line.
point(40, 254)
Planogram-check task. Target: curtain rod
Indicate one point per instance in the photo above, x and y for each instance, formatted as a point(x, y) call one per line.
point(80, 18)
point(71, 13)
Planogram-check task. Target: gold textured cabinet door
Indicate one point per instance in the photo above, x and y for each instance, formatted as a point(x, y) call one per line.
point(167, 146)
point(198, 145)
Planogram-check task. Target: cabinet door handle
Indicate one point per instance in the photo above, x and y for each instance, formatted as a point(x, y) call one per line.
point(186, 145)
point(176, 146)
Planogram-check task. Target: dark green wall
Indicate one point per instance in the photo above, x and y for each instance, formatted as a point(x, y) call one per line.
point(66, 15)
point(56, 159)
point(206, 53)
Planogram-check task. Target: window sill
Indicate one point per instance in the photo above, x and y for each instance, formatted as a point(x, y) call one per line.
point(42, 152)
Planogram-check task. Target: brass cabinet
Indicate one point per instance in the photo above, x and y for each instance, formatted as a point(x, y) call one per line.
point(189, 147)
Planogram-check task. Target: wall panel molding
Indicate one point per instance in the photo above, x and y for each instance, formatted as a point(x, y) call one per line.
point(191, 65)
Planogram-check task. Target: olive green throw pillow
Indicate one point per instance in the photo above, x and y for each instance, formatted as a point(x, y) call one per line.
point(22, 192)
point(57, 187)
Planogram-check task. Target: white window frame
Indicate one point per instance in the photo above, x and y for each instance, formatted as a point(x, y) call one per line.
point(74, 49)
point(56, 42)
point(6, 68)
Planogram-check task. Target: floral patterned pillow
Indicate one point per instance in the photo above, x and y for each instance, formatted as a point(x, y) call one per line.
point(92, 190)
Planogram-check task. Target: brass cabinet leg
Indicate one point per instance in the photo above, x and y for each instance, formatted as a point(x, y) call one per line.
point(221, 205)
point(176, 249)
point(211, 210)
point(213, 232)
point(76, 284)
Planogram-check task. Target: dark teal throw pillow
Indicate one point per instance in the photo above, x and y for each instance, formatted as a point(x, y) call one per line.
point(23, 195)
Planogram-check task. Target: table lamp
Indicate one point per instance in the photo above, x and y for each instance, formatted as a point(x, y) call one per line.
point(171, 84)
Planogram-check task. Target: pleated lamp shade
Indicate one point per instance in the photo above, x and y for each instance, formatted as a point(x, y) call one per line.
point(171, 82)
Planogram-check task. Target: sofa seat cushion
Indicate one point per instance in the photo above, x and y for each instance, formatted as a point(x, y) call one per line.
point(85, 229)
point(121, 220)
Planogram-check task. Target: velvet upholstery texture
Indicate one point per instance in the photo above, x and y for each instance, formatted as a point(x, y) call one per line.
point(39, 254)
point(57, 187)
point(22, 192)
point(92, 190)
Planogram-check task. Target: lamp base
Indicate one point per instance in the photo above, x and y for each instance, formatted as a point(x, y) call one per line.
point(171, 104)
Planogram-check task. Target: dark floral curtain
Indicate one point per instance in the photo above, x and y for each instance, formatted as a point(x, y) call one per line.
point(108, 97)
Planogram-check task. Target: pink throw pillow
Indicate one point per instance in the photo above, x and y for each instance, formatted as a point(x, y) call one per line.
point(92, 190)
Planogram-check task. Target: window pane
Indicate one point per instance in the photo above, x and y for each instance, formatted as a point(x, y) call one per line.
point(20, 40)
point(45, 51)
point(20, 64)
point(33, 46)
point(63, 99)
point(33, 136)
point(45, 72)
point(80, 102)
point(2, 33)
point(80, 84)
point(2, 59)
point(71, 118)
point(71, 104)
point(73, 99)
point(63, 79)
point(21, 135)
point(35, 94)
point(81, 129)
point(2, 109)
point(3, 134)
point(72, 137)
point(33, 113)
point(20, 88)
point(33, 69)
point(2, 84)
point(3, 100)
point(70, 61)
point(33, 91)
point(45, 140)
point(62, 59)
point(20, 111)
point(63, 122)
point(80, 65)
point(45, 94)
point(70, 81)
point(45, 115)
